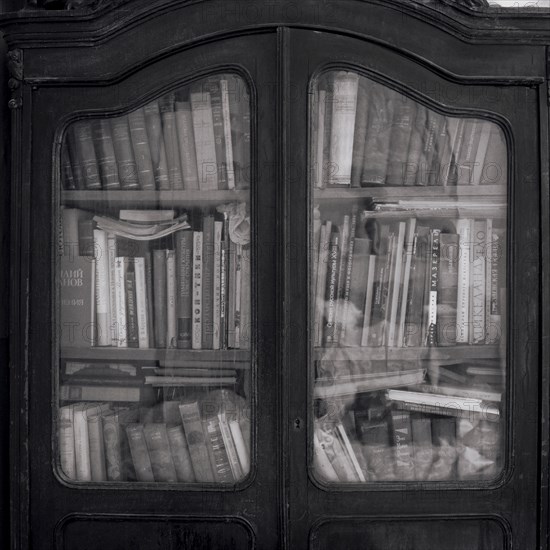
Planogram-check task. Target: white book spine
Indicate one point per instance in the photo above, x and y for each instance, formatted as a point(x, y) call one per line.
point(230, 447)
point(171, 334)
point(203, 128)
point(368, 300)
point(227, 134)
point(93, 308)
point(102, 288)
point(344, 108)
point(463, 290)
point(240, 446)
point(477, 283)
point(111, 244)
point(408, 254)
point(216, 340)
point(196, 342)
point(120, 291)
point(82, 444)
point(67, 441)
point(320, 139)
point(141, 303)
point(397, 282)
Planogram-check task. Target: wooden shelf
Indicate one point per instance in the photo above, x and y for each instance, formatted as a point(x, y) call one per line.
point(147, 198)
point(413, 192)
point(161, 355)
point(435, 354)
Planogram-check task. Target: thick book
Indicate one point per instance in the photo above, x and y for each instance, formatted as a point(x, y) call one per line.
point(171, 293)
point(477, 282)
point(184, 269)
point(421, 430)
point(360, 131)
point(194, 433)
point(142, 152)
point(124, 152)
point(120, 298)
point(160, 293)
point(402, 443)
point(77, 301)
point(447, 289)
point(401, 128)
point(153, 124)
point(170, 133)
point(66, 440)
point(205, 146)
point(196, 327)
point(139, 452)
point(344, 106)
point(95, 438)
point(102, 288)
point(118, 462)
point(213, 87)
point(217, 450)
point(186, 141)
point(131, 303)
point(85, 160)
point(207, 324)
point(180, 453)
point(160, 454)
point(331, 289)
point(81, 442)
point(105, 153)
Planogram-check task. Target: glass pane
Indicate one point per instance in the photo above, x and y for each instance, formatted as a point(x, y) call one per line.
point(408, 287)
point(154, 290)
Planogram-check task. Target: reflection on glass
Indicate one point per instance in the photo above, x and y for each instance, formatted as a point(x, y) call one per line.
point(154, 290)
point(408, 287)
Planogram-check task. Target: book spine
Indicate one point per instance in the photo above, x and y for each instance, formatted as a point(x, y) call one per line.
point(111, 246)
point(245, 183)
point(153, 124)
point(434, 145)
point(402, 123)
point(496, 310)
point(205, 147)
point(463, 291)
point(180, 454)
point(421, 431)
point(397, 284)
point(67, 441)
point(240, 446)
point(448, 289)
point(85, 156)
point(245, 317)
point(213, 86)
point(97, 447)
point(131, 309)
point(326, 230)
point(416, 146)
point(360, 133)
point(347, 275)
point(170, 134)
point(99, 393)
point(122, 143)
point(196, 341)
point(238, 295)
point(139, 452)
point(195, 436)
point(142, 152)
point(121, 309)
point(224, 271)
point(112, 444)
point(72, 179)
point(160, 293)
point(488, 278)
point(467, 153)
point(321, 462)
point(342, 265)
point(236, 113)
point(171, 325)
point(105, 151)
point(477, 280)
point(344, 108)
point(227, 134)
point(320, 143)
point(348, 449)
point(231, 297)
point(216, 339)
point(186, 140)
point(368, 300)
point(141, 302)
point(401, 430)
point(160, 455)
point(184, 255)
point(150, 294)
point(82, 444)
point(230, 447)
point(326, 164)
point(102, 288)
point(207, 327)
point(435, 242)
point(218, 451)
point(408, 256)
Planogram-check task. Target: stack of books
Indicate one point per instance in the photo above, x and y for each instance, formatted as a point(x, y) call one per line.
point(366, 134)
point(198, 439)
point(153, 280)
point(195, 138)
point(409, 275)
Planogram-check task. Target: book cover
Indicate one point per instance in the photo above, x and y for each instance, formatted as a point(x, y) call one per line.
point(105, 153)
point(184, 270)
point(153, 125)
point(196, 332)
point(170, 133)
point(186, 141)
point(180, 453)
point(124, 153)
point(171, 291)
point(139, 452)
point(160, 455)
point(160, 294)
point(195, 436)
point(142, 152)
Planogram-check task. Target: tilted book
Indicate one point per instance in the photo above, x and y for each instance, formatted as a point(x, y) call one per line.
point(105, 152)
point(160, 455)
point(65, 435)
point(124, 152)
point(139, 452)
point(81, 138)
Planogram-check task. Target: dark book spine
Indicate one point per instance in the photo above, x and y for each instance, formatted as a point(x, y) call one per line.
point(69, 156)
point(403, 118)
point(331, 290)
point(444, 440)
point(224, 272)
point(83, 146)
point(127, 168)
point(140, 455)
point(153, 124)
point(186, 140)
point(184, 258)
point(402, 443)
point(68, 179)
point(170, 134)
point(105, 151)
point(160, 455)
point(213, 86)
point(142, 152)
point(217, 451)
point(160, 297)
point(347, 277)
point(441, 146)
point(416, 146)
point(447, 289)
point(150, 298)
point(131, 310)
point(433, 284)
point(208, 283)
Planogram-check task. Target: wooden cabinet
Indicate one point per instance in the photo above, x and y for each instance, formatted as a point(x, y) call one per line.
point(279, 276)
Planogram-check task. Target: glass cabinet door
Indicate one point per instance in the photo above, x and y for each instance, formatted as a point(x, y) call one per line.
point(153, 290)
point(408, 287)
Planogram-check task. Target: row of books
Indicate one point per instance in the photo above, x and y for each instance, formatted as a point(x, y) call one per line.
point(179, 288)
point(195, 138)
point(366, 134)
point(190, 441)
point(422, 277)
